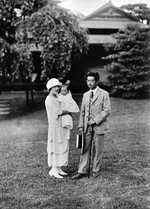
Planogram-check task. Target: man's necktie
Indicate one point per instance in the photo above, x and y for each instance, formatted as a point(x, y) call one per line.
point(90, 102)
point(92, 94)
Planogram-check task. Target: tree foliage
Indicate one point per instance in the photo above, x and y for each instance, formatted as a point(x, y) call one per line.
point(58, 32)
point(129, 67)
point(15, 59)
point(141, 11)
point(11, 11)
point(52, 27)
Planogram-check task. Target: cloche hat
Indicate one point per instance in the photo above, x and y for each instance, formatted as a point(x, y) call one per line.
point(52, 82)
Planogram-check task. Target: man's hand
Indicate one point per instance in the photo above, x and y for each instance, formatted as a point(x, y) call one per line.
point(80, 130)
point(91, 122)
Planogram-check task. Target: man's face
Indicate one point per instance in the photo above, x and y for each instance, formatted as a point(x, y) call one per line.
point(92, 84)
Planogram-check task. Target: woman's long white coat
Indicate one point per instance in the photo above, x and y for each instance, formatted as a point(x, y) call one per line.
point(58, 137)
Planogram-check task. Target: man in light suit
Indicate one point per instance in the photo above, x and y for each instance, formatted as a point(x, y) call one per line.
point(95, 109)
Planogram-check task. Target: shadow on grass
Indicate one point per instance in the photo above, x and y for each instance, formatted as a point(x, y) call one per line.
point(20, 108)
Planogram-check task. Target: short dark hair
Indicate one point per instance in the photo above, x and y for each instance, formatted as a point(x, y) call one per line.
point(94, 74)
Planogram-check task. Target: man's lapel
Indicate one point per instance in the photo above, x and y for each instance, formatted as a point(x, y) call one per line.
point(88, 97)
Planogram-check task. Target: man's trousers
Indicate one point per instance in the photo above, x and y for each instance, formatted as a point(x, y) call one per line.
point(97, 151)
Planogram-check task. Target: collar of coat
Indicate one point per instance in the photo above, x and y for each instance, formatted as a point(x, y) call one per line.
point(97, 93)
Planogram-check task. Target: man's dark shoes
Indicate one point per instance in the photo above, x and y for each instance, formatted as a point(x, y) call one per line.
point(79, 176)
point(95, 174)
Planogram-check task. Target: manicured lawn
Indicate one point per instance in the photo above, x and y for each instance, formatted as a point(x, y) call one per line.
point(124, 181)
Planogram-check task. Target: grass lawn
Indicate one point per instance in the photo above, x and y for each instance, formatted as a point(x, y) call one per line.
point(124, 181)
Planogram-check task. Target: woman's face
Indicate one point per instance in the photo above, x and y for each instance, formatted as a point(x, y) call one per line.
point(55, 90)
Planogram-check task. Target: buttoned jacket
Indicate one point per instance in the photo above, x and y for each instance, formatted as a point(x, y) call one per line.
point(100, 110)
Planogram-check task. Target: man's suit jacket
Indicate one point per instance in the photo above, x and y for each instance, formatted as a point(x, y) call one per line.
point(100, 110)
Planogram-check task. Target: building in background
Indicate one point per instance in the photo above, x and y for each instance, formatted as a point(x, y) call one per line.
point(101, 24)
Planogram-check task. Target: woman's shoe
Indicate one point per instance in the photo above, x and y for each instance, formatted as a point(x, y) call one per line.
point(55, 174)
point(62, 172)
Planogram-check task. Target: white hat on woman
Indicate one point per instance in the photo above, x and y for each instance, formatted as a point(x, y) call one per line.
point(52, 82)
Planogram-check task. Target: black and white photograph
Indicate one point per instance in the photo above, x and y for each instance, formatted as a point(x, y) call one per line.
point(74, 104)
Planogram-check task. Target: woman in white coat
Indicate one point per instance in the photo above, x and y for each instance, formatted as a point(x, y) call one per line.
point(58, 137)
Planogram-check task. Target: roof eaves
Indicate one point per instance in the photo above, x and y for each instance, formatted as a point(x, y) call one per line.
point(126, 14)
point(109, 5)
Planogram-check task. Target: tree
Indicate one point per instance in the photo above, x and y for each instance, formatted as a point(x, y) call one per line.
point(10, 50)
point(15, 58)
point(129, 67)
point(57, 30)
point(16, 61)
point(11, 11)
point(141, 11)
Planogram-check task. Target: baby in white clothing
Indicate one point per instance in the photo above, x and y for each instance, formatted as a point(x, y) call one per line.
point(67, 103)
